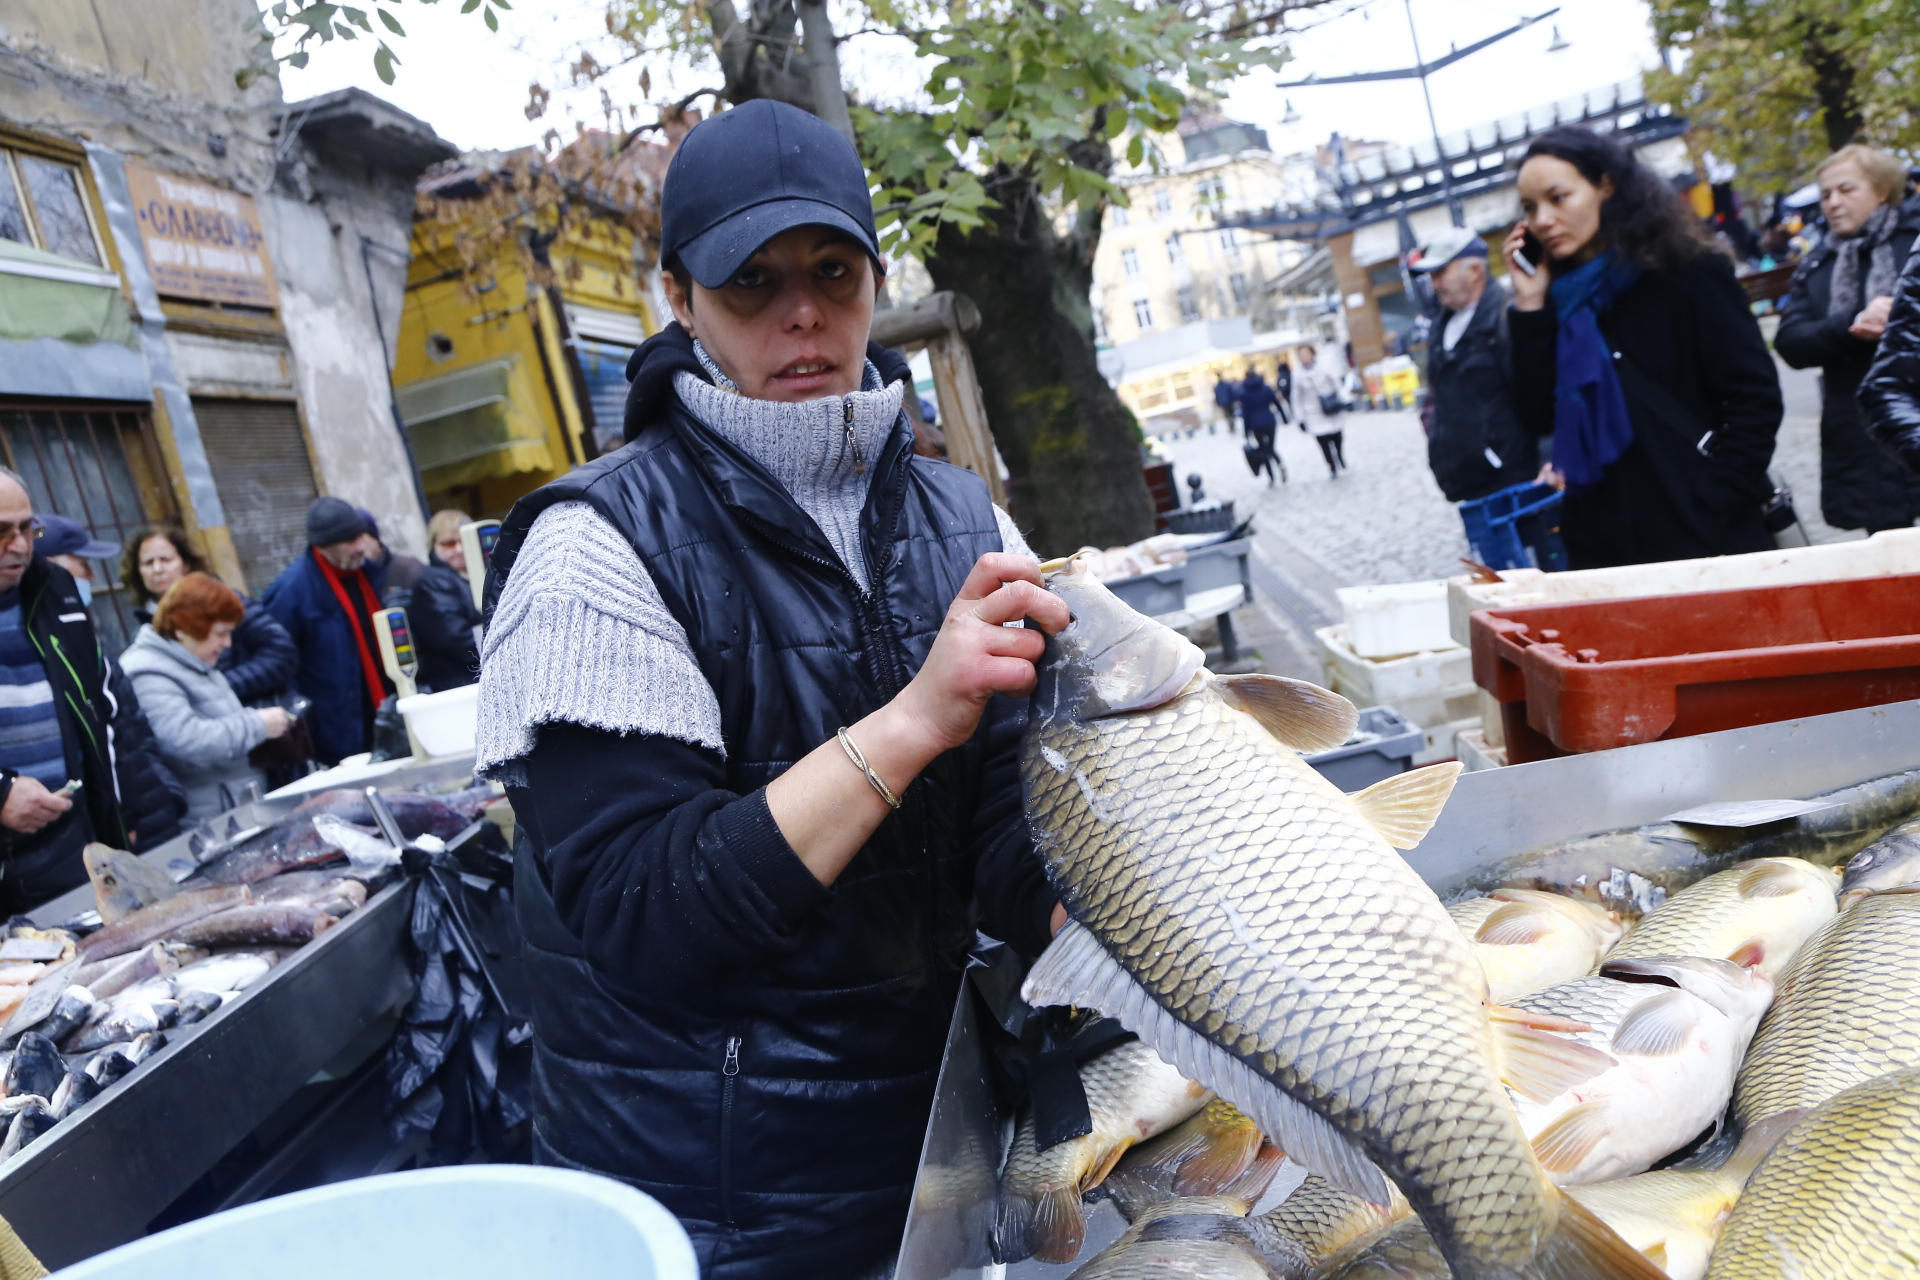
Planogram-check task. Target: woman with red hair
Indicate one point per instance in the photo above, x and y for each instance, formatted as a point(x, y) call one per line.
point(203, 731)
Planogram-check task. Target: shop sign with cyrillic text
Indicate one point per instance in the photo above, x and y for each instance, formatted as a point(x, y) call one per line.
point(202, 241)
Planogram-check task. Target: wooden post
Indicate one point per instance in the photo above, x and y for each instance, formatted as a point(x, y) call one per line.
point(940, 322)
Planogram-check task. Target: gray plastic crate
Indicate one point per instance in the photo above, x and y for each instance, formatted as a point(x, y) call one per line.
point(1388, 743)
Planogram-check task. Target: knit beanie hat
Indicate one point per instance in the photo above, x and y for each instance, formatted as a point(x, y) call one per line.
point(331, 520)
point(366, 518)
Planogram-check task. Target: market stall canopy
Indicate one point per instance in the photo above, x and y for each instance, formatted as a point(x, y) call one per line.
point(65, 329)
point(472, 425)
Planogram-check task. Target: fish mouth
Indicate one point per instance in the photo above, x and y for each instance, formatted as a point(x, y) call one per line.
point(1111, 659)
point(1726, 986)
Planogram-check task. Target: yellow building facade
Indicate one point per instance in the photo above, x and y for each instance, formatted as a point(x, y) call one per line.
point(511, 385)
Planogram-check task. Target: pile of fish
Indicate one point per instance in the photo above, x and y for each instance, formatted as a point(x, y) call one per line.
point(85, 1007)
point(1578, 1070)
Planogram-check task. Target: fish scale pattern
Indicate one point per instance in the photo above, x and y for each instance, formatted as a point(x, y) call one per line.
point(1254, 902)
point(1781, 900)
point(1322, 1219)
point(1835, 1200)
point(1843, 1014)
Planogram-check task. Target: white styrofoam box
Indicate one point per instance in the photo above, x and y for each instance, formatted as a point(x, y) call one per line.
point(1474, 751)
point(1895, 551)
point(1430, 689)
point(1442, 741)
point(1395, 619)
point(443, 723)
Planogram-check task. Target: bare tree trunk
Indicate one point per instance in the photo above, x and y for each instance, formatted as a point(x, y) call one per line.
point(1071, 447)
point(1833, 87)
point(822, 56)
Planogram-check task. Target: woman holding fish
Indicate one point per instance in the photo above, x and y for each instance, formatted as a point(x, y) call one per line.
point(740, 682)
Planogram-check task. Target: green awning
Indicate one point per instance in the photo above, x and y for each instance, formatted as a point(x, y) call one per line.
point(43, 295)
point(466, 428)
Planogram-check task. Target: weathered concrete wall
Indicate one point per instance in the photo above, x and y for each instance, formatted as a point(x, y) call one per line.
point(152, 79)
point(340, 361)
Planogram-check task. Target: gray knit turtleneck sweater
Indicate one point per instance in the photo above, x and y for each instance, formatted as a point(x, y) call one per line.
point(581, 634)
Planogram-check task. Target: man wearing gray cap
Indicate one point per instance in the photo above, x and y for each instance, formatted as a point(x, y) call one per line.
point(326, 602)
point(1475, 445)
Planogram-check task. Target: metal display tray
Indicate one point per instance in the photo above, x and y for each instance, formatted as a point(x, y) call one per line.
point(100, 1176)
point(1492, 814)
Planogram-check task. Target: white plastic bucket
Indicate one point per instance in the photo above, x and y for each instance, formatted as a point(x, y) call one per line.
point(443, 723)
point(477, 1222)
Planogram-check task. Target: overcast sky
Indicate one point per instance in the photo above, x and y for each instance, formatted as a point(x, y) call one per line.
point(471, 84)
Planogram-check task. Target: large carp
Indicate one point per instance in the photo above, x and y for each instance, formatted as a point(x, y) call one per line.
point(1256, 928)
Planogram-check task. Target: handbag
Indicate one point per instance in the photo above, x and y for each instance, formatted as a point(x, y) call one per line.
point(1256, 457)
point(292, 748)
point(1332, 405)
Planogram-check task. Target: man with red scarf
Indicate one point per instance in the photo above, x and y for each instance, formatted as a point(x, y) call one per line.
point(326, 602)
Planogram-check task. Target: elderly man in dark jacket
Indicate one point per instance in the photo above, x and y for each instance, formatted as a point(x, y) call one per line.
point(326, 602)
point(1837, 327)
point(1476, 445)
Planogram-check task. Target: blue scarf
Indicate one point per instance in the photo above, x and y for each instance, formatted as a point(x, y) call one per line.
point(1591, 428)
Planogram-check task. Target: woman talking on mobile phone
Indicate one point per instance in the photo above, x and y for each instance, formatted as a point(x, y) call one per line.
point(1635, 348)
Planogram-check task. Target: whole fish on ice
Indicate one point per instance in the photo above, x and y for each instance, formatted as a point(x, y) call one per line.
point(1255, 927)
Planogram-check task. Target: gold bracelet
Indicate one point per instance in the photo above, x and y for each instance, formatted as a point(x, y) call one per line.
point(860, 763)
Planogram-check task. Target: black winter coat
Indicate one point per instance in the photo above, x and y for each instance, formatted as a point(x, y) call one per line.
point(263, 660)
point(152, 801)
point(1890, 393)
point(1697, 376)
point(1858, 490)
point(441, 611)
point(711, 1024)
point(47, 863)
point(1473, 407)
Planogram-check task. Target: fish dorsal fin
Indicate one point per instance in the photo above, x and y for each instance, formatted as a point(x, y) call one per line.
point(1572, 1137)
point(1534, 1062)
point(1298, 714)
point(1771, 880)
point(1656, 1253)
point(1658, 1026)
point(1404, 808)
point(1076, 970)
point(1515, 925)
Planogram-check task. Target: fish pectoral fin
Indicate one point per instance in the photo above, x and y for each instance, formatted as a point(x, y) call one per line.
point(1536, 1063)
point(1075, 969)
point(1570, 1139)
point(1098, 1174)
point(1658, 1026)
point(1404, 808)
point(1772, 879)
point(1750, 954)
point(1298, 714)
point(1515, 925)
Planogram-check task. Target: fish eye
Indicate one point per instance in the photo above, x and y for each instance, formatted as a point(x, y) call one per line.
point(1861, 860)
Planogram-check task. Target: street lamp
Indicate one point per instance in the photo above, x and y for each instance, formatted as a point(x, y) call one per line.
point(1559, 41)
point(1292, 116)
point(1420, 71)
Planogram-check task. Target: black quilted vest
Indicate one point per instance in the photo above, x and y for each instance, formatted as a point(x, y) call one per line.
point(795, 1154)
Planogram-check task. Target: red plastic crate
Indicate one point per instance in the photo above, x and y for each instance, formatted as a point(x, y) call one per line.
point(1611, 673)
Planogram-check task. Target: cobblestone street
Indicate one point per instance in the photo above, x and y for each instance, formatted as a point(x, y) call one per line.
point(1386, 521)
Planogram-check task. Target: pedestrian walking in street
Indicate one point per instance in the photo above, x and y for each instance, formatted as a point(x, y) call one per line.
point(1890, 392)
point(1634, 346)
point(1322, 401)
point(1226, 396)
point(442, 612)
point(1283, 388)
point(326, 602)
point(1475, 443)
point(58, 717)
point(204, 732)
point(152, 800)
point(739, 681)
point(1258, 406)
point(260, 663)
point(1833, 319)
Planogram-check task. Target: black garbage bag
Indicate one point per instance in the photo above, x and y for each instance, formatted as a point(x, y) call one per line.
point(458, 1069)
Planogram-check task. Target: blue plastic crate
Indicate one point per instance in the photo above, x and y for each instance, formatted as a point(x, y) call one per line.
point(1516, 528)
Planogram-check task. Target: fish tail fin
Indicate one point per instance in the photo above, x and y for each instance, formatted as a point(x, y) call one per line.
point(1582, 1247)
point(1056, 1226)
point(1256, 1177)
point(1758, 1142)
point(1213, 1167)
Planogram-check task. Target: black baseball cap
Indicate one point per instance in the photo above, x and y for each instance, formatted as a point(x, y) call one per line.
point(744, 176)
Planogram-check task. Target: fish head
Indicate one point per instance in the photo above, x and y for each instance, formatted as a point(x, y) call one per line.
point(1740, 993)
point(1888, 863)
point(1110, 658)
point(122, 883)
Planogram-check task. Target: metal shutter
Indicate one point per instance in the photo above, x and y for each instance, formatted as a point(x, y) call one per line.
point(259, 458)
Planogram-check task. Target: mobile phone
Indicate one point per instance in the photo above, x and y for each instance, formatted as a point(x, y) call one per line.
point(1532, 253)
